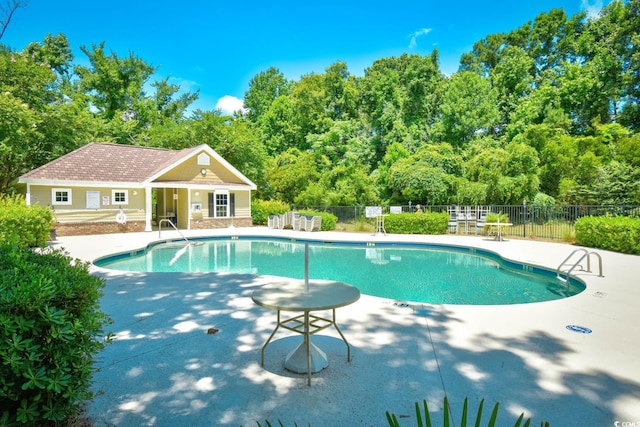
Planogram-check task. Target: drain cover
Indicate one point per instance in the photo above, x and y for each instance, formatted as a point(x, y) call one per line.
point(579, 329)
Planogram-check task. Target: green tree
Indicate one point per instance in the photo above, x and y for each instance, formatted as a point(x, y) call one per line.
point(264, 89)
point(510, 174)
point(18, 138)
point(38, 120)
point(277, 126)
point(400, 97)
point(630, 115)
point(617, 184)
point(113, 85)
point(484, 56)
point(166, 104)
point(290, 173)
point(342, 95)
point(512, 79)
point(394, 152)
point(54, 51)
point(628, 150)
point(428, 176)
point(469, 107)
point(345, 142)
point(552, 38)
point(555, 150)
point(310, 100)
point(605, 46)
point(343, 185)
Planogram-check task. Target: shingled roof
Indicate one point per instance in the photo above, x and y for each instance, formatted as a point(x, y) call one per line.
point(101, 162)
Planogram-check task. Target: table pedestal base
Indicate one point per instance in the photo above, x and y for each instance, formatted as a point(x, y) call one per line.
point(296, 360)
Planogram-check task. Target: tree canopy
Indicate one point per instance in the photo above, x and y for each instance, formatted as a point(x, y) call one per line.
point(550, 109)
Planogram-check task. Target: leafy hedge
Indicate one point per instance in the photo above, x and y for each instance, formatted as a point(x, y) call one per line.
point(614, 233)
point(417, 223)
point(24, 225)
point(261, 209)
point(329, 220)
point(49, 312)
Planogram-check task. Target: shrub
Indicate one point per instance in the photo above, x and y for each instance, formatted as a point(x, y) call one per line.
point(417, 223)
point(614, 233)
point(49, 311)
point(24, 225)
point(329, 220)
point(261, 209)
point(543, 200)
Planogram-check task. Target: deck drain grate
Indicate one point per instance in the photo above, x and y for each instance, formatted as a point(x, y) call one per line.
point(579, 329)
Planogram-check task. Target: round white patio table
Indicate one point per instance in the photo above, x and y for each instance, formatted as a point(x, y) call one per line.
point(305, 296)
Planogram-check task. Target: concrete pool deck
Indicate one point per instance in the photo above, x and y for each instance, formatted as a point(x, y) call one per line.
point(163, 369)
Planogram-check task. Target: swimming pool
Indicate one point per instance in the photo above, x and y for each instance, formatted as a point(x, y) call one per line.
point(438, 274)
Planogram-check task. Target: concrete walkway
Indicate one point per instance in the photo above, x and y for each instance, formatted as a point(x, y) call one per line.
point(163, 369)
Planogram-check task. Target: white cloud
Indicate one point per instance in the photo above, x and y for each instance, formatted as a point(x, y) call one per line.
point(230, 104)
point(413, 43)
point(592, 8)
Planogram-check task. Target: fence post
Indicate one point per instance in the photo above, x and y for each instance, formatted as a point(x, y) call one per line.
point(524, 228)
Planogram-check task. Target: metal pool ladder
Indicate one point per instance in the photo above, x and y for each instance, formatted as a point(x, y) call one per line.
point(174, 227)
point(585, 254)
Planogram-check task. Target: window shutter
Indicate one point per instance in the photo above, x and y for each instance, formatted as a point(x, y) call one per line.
point(232, 204)
point(212, 206)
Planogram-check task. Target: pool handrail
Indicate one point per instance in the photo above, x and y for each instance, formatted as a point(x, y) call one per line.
point(174, 227)
point(586, 254)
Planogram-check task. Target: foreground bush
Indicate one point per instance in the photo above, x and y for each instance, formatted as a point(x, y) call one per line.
point(49, 312)
point(24, 225)
point(613, 233)
point(417, 223)
point(261, 209)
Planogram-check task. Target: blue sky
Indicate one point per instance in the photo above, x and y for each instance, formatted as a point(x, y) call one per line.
point(217, 47)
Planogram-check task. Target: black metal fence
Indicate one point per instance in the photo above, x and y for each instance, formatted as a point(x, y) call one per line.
point(546, 222)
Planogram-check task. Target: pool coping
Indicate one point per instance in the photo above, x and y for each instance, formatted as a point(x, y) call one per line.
point(591, 377)
point(505, 263)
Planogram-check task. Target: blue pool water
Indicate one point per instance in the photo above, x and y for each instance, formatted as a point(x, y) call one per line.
point(419, 272)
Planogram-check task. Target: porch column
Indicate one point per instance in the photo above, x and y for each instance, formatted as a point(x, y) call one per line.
point(147, 208)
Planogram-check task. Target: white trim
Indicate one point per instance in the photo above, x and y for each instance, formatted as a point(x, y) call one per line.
point(69, 192)
point(215, 203)
point(148, 208)
point(114, 201)
point(67, 183)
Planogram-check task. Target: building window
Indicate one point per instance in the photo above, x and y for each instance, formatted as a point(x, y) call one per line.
point(222, 205)
point(120, 197)
point(61, 196)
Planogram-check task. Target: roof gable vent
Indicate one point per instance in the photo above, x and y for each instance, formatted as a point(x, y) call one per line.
point(204, 159)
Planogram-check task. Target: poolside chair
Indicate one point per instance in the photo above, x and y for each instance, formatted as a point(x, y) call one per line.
point(461, 218)
point(297, 221)
point(286, 220)
point(312, 222)
point(482, 218)
point(452, 226)
point(274, 221)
